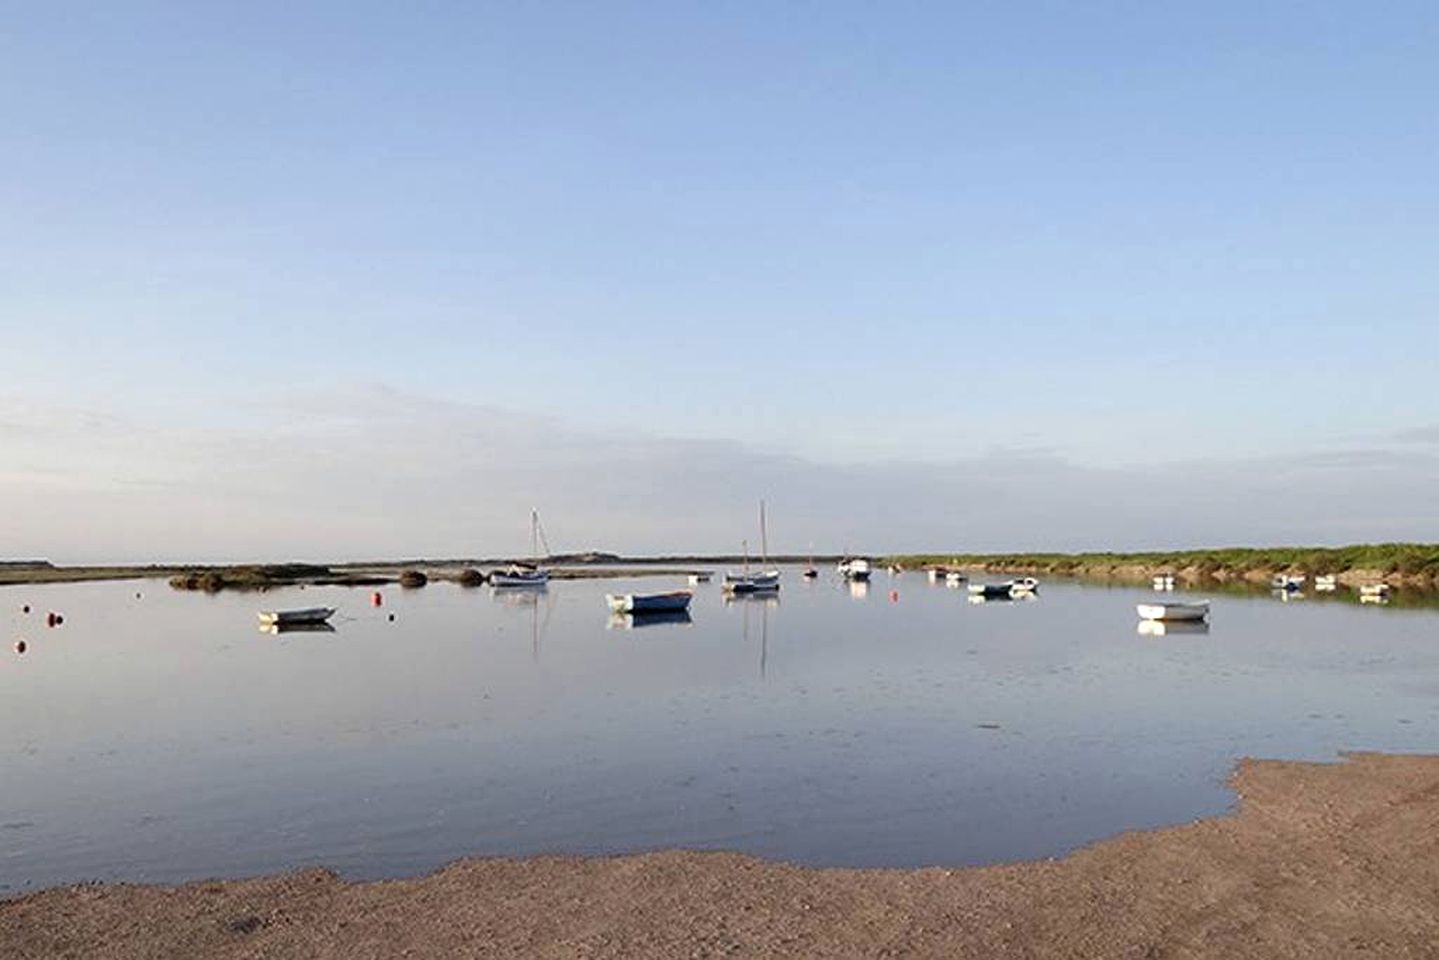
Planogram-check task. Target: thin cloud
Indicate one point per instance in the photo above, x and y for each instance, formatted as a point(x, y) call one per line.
point(370, 472)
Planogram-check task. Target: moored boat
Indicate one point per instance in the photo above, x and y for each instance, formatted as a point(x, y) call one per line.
point(529, 574)
point(854, 568)
point(702, 576)
point(1176, 610)
point(649, 602)
point(1164, 582)
point(290, 618)
point(766, 581)
point(1326, 582)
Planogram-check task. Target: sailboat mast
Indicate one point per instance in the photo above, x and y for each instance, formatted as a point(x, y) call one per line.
point(763, 538)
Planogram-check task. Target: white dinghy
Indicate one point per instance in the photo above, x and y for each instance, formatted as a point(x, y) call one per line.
point(1179, 610)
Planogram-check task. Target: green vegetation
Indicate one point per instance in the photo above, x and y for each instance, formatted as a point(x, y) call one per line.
point(1413, 560)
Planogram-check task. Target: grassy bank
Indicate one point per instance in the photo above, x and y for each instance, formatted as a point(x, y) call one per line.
point(1411, 563)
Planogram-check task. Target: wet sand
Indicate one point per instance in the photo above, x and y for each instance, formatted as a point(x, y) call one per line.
point(1320, 860)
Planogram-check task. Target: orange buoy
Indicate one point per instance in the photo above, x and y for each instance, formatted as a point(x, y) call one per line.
point(376, 599)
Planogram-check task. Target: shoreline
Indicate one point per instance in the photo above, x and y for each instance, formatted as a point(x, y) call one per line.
point(1318, 859)
point(1124, 569)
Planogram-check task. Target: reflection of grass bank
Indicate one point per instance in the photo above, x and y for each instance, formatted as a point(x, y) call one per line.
point(1409, 564)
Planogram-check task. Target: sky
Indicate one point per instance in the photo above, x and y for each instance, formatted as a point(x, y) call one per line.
point(350, 280)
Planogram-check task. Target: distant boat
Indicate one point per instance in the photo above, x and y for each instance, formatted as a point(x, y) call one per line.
point(810, 573)
point(1374, 590)
point(1287, 582)
point(854, 568)
point(525, 574)
point(1328, 582)
point(1164, 582)
point(767, 581)
point(702, 576)
point(954, 578)
point(649, 602)
point(291, 618)
point(1178, 610)
point(1009, 588)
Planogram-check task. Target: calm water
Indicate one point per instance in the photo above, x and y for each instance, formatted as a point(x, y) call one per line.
point(163, 738)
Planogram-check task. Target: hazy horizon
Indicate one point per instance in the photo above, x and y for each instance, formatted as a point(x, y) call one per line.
point(344, 281)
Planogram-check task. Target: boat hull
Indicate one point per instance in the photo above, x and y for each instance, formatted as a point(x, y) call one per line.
point(516, 578)
point(649, 602)
point(1173, 611)
point(752, 583)
point(291, 618)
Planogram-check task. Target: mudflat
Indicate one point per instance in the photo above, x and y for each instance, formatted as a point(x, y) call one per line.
point(1319, 860)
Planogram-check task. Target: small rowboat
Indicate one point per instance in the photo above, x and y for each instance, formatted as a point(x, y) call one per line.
point(696, 579)
point(648, 602)
point(1009, 588)
point(290, 618)
point(1190, 610)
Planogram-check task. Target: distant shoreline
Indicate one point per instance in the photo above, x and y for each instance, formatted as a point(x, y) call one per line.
point(1400, 564)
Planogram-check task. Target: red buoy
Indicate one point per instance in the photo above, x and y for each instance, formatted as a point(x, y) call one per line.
point(376, 599)
point(50, 619)
point(894, 596)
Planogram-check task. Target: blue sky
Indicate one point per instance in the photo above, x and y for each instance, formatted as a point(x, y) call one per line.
point(884, 246)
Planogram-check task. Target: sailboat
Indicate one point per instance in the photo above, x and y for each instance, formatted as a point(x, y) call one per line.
point(525, 574)
point(765, 580)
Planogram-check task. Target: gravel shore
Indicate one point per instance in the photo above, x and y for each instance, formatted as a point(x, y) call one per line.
point(1320, 860)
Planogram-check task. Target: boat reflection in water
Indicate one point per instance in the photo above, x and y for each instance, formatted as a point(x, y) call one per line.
point(275, 629)
point(527, 598)
point(858, 589)
point(636, 621)
point(1169, 628)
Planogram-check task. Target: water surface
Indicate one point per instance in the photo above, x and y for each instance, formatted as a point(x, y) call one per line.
point(162, 737)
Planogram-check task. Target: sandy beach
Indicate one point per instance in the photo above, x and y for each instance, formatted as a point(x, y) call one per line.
point(1331, 860)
